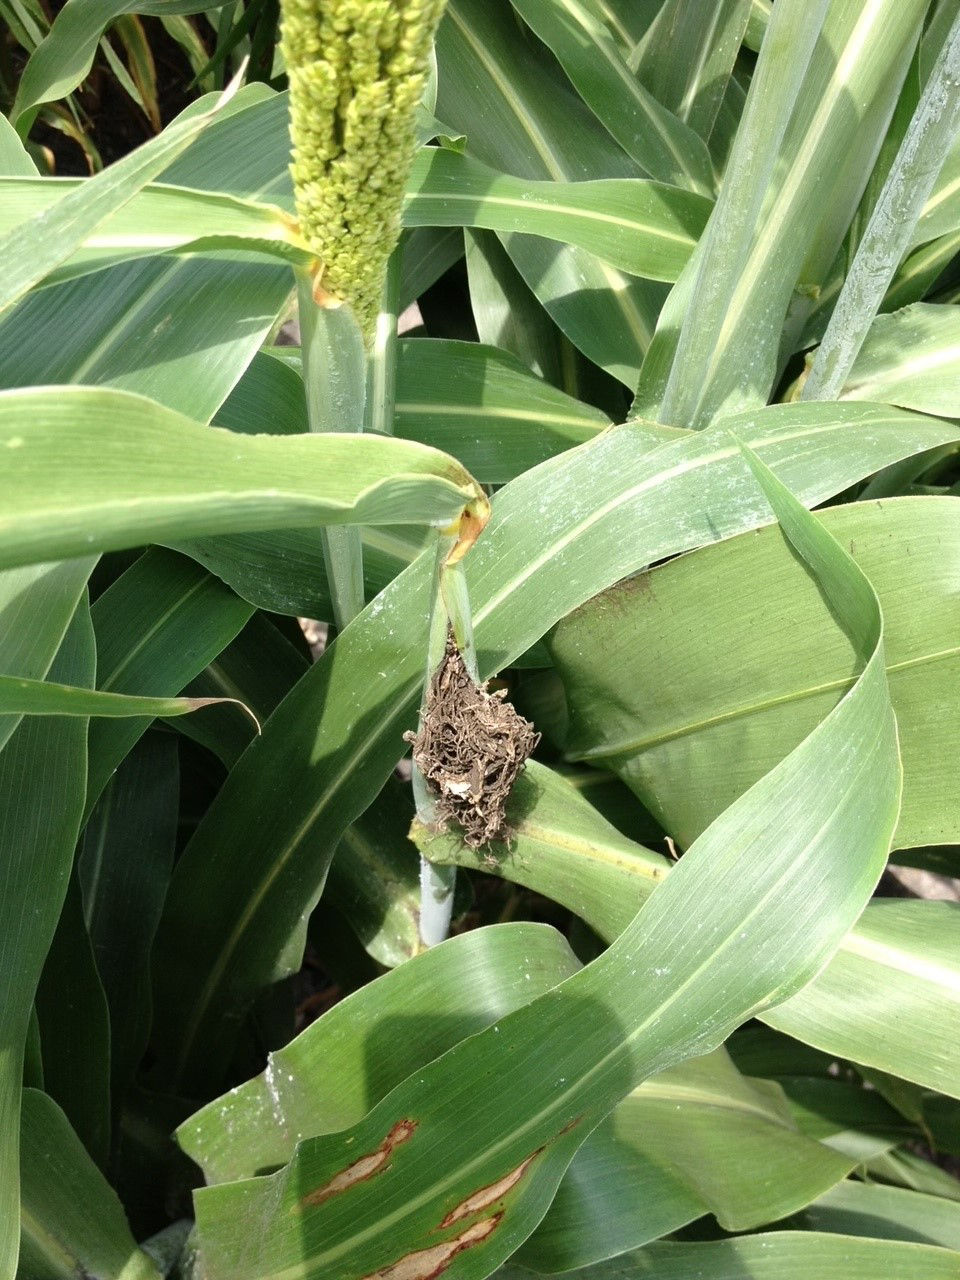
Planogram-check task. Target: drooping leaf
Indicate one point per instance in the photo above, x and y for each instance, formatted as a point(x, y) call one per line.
point(34, 248)
point(646, 228)
point(559, 533)
point(608, 1032)
point(690, 713)
point(98, 469)
point(66, 54)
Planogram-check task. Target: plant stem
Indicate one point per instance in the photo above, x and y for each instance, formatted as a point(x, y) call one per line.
point(382, 362)
point(335, 380)
point(450, 607)
point(453, 588)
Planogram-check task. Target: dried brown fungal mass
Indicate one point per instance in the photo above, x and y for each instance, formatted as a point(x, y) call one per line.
point(471, 746)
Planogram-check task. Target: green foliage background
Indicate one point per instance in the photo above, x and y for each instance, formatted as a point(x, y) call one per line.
point(672, 274)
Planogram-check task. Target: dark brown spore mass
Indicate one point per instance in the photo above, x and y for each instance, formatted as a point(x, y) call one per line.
point(471, 747)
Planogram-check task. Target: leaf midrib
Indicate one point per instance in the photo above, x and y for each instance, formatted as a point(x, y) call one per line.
point(543, 202)
point(636, 745)
point(505, 412)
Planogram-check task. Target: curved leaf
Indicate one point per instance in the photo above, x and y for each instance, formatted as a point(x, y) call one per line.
point(778, 1255)
point(331, 1074)
point(677, 680)
point(558, 534)
point(887, 999)
point(727, 1144)
point(158, 219)
point(377, 1197)
point(65, 55)
point(646, 228)
point(90, 468)
point(46, 698)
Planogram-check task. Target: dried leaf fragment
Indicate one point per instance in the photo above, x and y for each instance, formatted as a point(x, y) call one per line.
point(471, 747)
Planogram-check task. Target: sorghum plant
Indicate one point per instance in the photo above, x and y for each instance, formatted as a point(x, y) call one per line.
point(619, 425)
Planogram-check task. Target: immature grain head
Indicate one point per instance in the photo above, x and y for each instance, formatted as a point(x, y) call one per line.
point(357, 71)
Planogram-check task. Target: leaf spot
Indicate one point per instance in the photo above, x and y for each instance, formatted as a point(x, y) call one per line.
point(364, 1166)
point(489, 1195)
point(427, 1264)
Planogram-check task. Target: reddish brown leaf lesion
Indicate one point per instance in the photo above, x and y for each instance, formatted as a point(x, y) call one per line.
point(363, 1167)
point(490, 1194)
point(427, 1264)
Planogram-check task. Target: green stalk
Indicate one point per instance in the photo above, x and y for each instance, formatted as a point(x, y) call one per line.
point(382, 361)
point(437, 884)
point(335, 380)
point(456, 601)
point(357, 72)
point(890, 229)
point(450, 610)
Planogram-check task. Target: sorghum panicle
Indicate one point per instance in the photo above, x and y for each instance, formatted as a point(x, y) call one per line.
point(357, 71)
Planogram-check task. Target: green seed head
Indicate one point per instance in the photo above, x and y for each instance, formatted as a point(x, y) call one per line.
point(357, 71)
